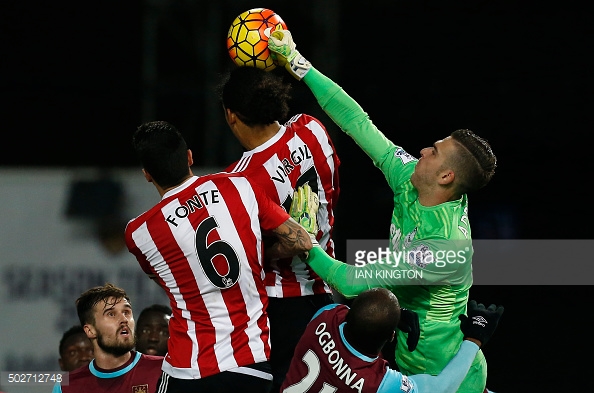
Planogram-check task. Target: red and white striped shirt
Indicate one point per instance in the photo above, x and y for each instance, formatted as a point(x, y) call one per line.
point(203, 244)
point(301, 152)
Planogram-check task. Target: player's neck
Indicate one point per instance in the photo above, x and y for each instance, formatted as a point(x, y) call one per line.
point(257, 136)
point(162, 191)
point(107, 361)
point(436, 197)
point(352, 340)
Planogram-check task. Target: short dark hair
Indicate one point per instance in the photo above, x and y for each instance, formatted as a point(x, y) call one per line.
point(161, 308)
point(74, 330)
point(475, 162)
point(162, 151)
point(256, 96)
point(88, 299)
point(373, 317)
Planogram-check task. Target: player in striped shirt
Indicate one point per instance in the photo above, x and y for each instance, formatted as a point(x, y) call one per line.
point(280, 158)
point(106, 316)
point(203, 244)
point(429, 222)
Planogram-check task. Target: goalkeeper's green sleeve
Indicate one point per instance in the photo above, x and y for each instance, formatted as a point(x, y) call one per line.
point(339, 275)
point(348, 115)
point(332, 271)
point(351, 280)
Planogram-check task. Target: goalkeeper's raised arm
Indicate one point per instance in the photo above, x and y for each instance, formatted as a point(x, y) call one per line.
point(430, 215)
point(337, 104)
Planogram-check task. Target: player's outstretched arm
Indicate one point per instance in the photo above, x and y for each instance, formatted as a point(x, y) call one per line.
point(477, 328)
point(339, 106)
point(351, 280)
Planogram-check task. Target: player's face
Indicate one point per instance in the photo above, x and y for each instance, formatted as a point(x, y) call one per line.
point(152, 333)
point(78, 352)
point(114, 326)
point(432, 163)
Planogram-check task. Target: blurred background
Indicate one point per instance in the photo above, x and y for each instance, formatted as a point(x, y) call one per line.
point(78, 79)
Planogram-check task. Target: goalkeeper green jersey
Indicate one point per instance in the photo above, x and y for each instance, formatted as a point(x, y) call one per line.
point(430, 248)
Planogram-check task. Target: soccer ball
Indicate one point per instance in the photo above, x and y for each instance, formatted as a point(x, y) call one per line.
point(247, 39)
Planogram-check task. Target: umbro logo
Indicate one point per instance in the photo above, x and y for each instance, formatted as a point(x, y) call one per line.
point(479, 320)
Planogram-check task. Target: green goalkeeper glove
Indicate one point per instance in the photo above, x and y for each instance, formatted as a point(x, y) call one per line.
point(282, 48)
point(304, 208)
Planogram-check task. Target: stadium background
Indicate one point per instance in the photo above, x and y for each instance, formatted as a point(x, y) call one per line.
point(77, 80)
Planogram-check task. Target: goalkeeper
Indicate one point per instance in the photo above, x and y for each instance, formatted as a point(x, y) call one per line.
point(430, 217)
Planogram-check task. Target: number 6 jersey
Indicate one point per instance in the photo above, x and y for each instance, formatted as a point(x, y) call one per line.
point(202, 243)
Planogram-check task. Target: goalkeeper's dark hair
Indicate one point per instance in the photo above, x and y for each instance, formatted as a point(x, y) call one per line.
point(475, 162)
point(256, 96)
point(162, 151)
point(372, 319)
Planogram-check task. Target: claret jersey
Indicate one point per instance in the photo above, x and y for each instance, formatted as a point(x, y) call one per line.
point(324, 361)
point(139, 375)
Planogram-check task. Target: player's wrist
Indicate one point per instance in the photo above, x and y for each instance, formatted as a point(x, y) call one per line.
point(474, 340)
point(298, 66)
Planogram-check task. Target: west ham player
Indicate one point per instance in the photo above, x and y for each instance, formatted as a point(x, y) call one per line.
point(152, 330)
point(75, 349)
point(280, 158)
point(430, 218)
point(203, 244)
point(106, 315)
point(339, 351)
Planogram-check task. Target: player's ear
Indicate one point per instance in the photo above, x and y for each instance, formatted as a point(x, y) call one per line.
point(147, 176)
point(190, 158)
point(446, 177)
point(230, 116)
point(90, 331)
